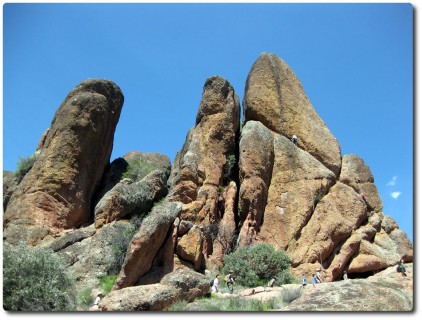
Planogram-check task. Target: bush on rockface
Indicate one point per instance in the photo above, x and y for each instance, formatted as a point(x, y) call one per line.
point(256, 264)
point(24, 165)
point(137, 169)
point(35, 279)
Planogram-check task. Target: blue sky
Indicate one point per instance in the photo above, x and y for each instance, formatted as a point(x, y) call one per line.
point(355, 62)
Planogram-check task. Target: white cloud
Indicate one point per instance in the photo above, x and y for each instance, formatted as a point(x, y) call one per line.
point(395, 194)
point(392, 182)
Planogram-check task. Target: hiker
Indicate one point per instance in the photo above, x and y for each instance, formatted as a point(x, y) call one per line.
point(216, 284)
point(318, 276)
point(294, 139)
point(271, 282)
point(304, 283)
point(230, 280)
point(401, 268)
point(345, 275)
point(314, 280)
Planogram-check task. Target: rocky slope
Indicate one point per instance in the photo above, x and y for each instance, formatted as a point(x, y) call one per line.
point(231, 184)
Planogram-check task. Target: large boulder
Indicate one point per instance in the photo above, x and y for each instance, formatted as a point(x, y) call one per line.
point(175, 286)
point(56, 193)
point(275, 97)
point(128, 198)
point(146, 243)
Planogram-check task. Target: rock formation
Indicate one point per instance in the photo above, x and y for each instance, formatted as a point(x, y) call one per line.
point(228, 187)
point(56, 194)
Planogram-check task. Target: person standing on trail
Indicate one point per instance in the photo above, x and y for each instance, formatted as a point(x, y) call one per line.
point(216, 284)
point(230, 280)
point(314, 280)
point(304, 283)
point(271, 282)
point(318, 276)
point(401, 268)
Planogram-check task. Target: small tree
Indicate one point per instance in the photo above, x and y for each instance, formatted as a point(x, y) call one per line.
point(256, 264)
point(24, 165)
point(35, 279)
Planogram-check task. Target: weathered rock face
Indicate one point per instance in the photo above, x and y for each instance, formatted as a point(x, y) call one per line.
point(9, 186)
point(128, 198)
point(386, 291)
point(205, 163)
point(146, 243)
point(255, 177)
point(56, 193)
point(228, 188)
point(298, 182)
point(275, 97)
point(176, 286)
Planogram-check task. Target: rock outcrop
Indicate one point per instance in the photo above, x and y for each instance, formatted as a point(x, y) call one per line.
point(175, 286)
point(274, 96)
point(56, 193)
point(228, 187)
point(127, 198)
point(205, 165)
point(385, 291)
point(146, 243)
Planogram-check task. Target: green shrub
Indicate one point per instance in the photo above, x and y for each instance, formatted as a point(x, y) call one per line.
point(85, 299)
point(24, 165)
point(291, 294)
point(107, 282)
point(35, 279)
point(119, 242)
point(137, 169)
point(256, 264)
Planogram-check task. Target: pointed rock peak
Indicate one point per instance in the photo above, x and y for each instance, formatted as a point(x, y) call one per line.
point(275, 97)
point(217, 97)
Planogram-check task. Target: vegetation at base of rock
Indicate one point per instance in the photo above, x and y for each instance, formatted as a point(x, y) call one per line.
point(227, 304)
point(35, 279)
point(107, 282)
point(291, 294)
point(257, 263)
point(85, 298)
point(119, 243)
point(137, 169)
point(24, 164)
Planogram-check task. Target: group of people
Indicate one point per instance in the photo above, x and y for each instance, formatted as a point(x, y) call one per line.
point(316, 278)
point(229, 280)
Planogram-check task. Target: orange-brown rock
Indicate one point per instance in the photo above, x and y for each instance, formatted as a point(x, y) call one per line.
point(189, 247)
point(255, 168)
point(56, 193)
point(199, 167)
point(298, 183)
point(355, 173)
point(275, 97)
point(387, 248)
point(336, 216)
